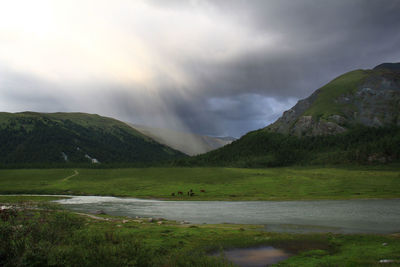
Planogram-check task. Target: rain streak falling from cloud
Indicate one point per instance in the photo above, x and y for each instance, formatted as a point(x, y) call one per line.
point(210, 67)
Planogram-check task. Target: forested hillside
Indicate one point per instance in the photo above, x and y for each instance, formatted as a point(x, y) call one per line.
point(62, 138)
point(361, 145)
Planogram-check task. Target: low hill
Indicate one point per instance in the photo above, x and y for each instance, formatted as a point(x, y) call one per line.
point(353, 119)
point(188, 143)
point(31, 138)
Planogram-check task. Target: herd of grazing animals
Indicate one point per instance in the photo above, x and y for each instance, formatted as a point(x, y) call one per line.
point(190, 193)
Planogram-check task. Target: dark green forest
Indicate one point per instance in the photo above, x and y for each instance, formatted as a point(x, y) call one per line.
point(261, 148)
point(43, 140)
point(35, 139)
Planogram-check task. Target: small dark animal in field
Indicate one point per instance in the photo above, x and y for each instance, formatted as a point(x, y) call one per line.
point(173, 194)
point(202, 190)
point(191, 194)
point(191, 190)
point(188, 193)
point(180, 193)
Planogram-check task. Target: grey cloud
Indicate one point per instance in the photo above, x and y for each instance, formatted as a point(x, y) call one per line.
point(317, 41)
point(323, 40)
point(26, 93)
point(230, 115)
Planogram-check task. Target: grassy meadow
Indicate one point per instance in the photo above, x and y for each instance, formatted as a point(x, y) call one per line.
point(286, 183)
point(44, 235)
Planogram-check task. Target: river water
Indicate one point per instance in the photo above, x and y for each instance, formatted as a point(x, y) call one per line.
point(338, 216)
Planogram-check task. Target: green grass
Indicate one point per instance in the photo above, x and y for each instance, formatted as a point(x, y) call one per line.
point(343, 85)
point(289, 183)
point(47, 237)
point(82, 119)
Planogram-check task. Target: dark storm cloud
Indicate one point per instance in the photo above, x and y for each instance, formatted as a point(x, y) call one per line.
point(230, 115)
point(304, 44)
point(320, 40)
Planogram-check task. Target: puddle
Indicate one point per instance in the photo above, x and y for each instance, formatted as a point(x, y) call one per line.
point(255, 257)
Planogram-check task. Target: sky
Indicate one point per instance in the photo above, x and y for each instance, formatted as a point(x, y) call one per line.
point(212, 67)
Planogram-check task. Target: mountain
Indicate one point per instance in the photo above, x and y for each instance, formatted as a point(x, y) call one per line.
point(353, 119)
point(361, 97)
point(33, 138)
point(188, 143)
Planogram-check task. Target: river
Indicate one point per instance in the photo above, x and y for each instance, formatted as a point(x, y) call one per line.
point(338, 216)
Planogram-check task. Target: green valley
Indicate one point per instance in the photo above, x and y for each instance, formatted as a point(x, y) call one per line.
point(289, 183)
point(200, 133)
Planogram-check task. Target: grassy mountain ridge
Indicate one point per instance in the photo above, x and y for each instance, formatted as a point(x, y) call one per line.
point(30, 137)
point(360, 97)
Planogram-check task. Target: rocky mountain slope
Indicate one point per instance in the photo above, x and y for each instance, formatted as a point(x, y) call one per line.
point(361, 97)
point(353, 119)
point(30, 137)
point(188, 143)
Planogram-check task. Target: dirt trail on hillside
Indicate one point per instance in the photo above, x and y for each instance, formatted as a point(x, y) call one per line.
point(68, 177)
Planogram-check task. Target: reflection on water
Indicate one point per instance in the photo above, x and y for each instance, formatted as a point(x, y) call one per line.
point(340, 216)
point(254, 257)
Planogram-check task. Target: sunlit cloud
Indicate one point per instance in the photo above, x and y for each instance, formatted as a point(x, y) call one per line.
point(120, 41)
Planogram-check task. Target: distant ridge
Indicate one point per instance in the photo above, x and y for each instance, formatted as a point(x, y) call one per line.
point(188, 143)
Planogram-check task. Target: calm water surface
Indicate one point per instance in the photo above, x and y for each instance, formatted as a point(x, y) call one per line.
point(340, 216)
point(254, 257)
